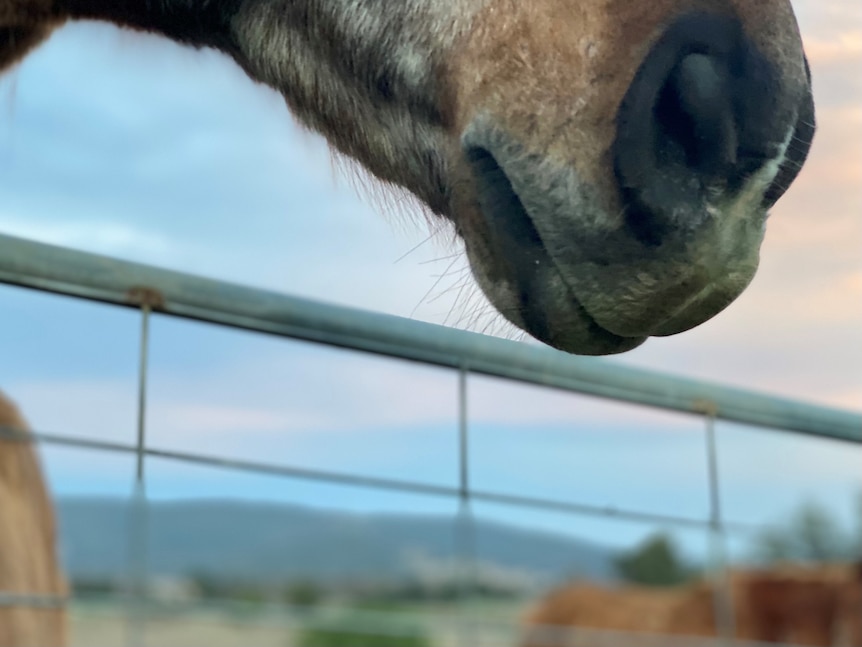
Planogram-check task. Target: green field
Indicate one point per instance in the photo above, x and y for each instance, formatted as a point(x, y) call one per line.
point(110, 624)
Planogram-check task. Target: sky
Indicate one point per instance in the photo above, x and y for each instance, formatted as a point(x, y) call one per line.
point(129, 145)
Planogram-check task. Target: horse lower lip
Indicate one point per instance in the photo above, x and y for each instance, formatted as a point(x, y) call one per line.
point(570, 328)
point(553, 314)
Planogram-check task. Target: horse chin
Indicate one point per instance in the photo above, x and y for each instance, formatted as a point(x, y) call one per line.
point(547, 310)
point(552, 313)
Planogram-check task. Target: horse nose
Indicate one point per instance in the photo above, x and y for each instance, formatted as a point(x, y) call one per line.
point(685, 128)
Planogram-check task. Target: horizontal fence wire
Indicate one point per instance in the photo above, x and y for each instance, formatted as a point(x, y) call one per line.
point(372, 482)
point(74, 273)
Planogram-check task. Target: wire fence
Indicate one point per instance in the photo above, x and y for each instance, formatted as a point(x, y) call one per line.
point(157, 292)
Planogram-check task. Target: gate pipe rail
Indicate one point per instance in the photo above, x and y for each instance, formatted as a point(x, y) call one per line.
point(70, 272)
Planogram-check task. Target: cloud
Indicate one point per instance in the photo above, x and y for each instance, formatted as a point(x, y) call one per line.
point(827, 19)
point(106, 237)
point(100, 409)
point(835, 163)
point(842, 46)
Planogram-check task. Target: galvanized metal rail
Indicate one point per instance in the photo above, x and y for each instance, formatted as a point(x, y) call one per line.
point(75, 273)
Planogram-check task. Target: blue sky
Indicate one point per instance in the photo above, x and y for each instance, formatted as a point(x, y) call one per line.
point(131, 146)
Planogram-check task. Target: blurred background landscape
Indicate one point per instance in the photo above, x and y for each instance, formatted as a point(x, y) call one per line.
point(291, 575)
point(121, 144)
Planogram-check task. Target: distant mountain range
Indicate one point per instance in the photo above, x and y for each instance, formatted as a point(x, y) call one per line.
point(272, 543)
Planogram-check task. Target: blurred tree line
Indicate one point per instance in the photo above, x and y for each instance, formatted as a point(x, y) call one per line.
point(811, 534)
point(655, 562)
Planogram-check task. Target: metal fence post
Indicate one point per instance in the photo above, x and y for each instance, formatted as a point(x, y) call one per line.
point(138, 522)
point(725, 620)
point(466, 528)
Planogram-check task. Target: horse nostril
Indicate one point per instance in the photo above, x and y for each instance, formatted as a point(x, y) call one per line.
point(701, 115)
point(694, 116)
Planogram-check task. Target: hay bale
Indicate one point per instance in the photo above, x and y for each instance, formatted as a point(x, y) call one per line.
point(29, 562)
point(803, 605)
point(682, 611)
